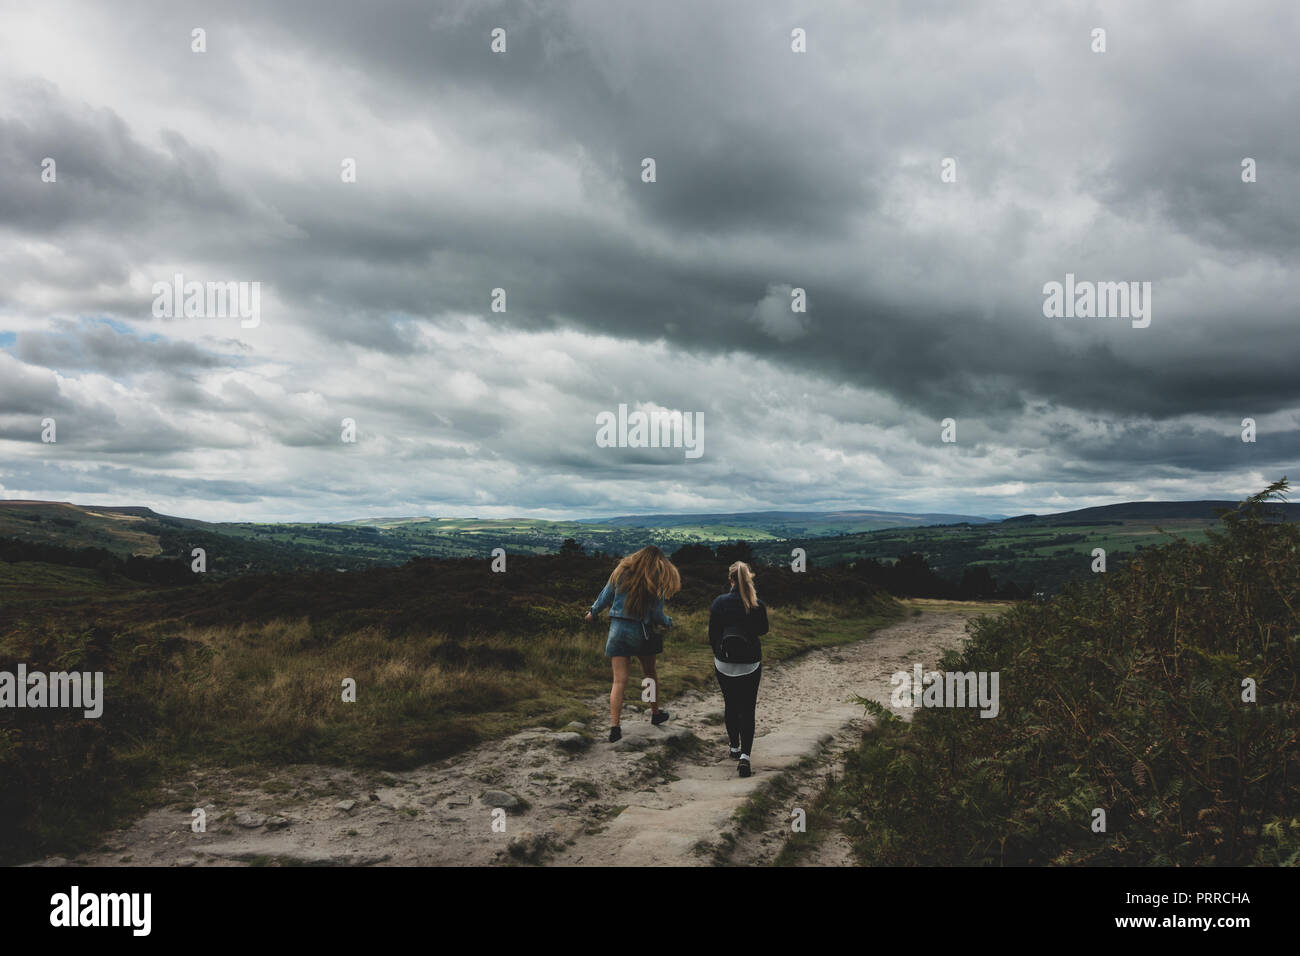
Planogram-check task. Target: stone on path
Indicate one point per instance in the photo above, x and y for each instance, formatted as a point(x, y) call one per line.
point(499, 798)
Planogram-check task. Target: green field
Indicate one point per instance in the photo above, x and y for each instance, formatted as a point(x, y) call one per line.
point(1045, 554)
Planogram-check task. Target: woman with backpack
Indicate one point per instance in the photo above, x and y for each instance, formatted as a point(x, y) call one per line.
point(635, 595)
point(736, 621)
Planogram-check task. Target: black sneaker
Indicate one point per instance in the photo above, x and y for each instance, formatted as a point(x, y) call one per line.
point(615, 734)
point(659, 718)
point(743, 766)
point(733, 753)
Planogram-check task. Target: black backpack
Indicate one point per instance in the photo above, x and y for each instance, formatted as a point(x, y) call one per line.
point(737, 647)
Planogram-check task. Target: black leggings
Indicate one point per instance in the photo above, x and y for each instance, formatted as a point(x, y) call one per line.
point(741, 697)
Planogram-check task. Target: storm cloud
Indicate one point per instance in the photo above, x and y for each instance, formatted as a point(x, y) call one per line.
point(522, 171)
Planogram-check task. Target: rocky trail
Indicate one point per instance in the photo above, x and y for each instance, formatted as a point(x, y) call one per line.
point(662, 795)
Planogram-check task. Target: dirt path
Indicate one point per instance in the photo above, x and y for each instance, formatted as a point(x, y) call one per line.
point(665, 795)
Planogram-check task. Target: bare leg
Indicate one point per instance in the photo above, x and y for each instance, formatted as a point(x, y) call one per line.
point(648, 666)
point(616, 692)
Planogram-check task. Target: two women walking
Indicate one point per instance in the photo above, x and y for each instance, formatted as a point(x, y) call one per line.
point(635, 596)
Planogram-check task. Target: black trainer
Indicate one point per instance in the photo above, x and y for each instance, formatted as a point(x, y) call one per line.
point(743, 766)
point(659, 718)
point(733, 753)
point(615, 734)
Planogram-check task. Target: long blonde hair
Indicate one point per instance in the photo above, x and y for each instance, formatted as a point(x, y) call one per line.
point(646, 575)
point(741, 574)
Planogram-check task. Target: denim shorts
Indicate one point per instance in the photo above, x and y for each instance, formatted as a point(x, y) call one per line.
point(628, 639)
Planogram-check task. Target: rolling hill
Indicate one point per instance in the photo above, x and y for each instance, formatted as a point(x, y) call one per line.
point(1037, 552)
point(789, 524)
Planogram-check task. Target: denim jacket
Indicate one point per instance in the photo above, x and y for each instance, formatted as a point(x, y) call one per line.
point(618, 617)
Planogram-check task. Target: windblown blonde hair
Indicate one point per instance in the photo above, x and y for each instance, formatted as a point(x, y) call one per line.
point(742, 575)
point(646, 576)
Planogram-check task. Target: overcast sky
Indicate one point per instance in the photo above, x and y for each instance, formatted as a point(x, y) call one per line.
point(522, 170)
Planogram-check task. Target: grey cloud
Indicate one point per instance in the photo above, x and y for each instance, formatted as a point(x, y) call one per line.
point(774, 170)
point(102, 348)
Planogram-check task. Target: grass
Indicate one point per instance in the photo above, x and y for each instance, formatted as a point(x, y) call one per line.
point(818, 825)
point(272, 693)
point(660, 763)
point(769, 801)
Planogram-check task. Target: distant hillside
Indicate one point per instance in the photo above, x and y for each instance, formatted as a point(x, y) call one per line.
point(122, 531)
point(1147, 511)
point(794, 523)
point(1036, 552)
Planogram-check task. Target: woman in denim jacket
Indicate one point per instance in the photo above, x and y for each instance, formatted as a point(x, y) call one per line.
point(635, 595)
